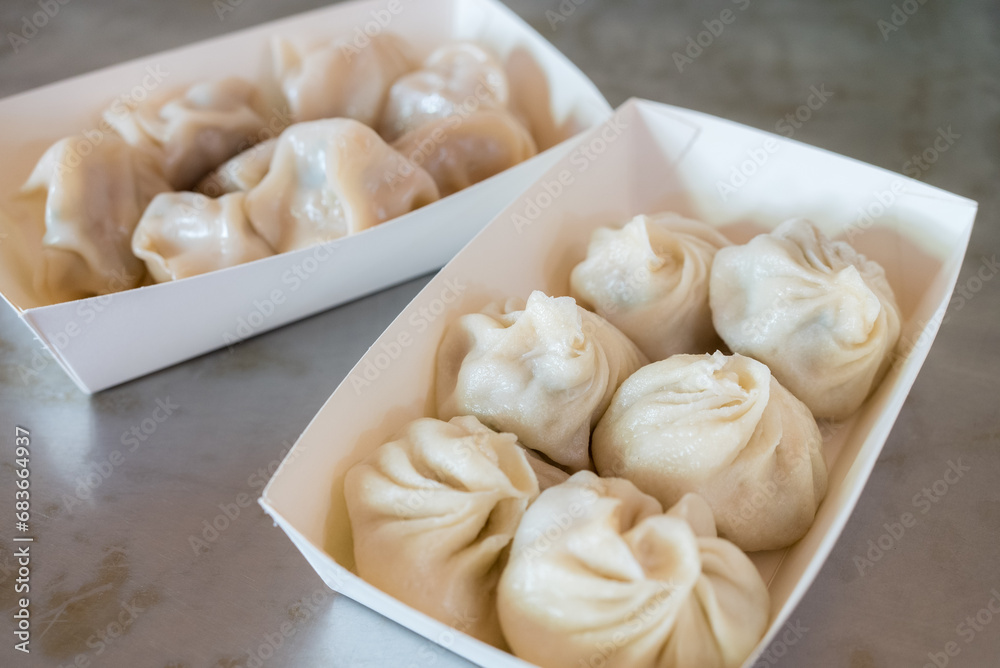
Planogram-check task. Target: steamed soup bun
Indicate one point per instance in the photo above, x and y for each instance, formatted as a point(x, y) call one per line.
point(433, 513)
point(544, 370)
point(722, 427)
point(649, 278)
point(821, 315)
point(599, 574)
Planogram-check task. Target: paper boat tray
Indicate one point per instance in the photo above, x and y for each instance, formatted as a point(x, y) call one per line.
point(648, 157)
point(106, 340)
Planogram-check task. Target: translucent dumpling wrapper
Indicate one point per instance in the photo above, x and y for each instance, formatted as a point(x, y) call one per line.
point(821, 315)
point(433, 513)
point(92, 197)
point(545, 370)
point(600, 575)
point(332, 178)
point(186, 234)
point(193, 131)
point(338, 79)
point(723, 427)
point(455, 80)
point(240, 173)
point(650, 279)
point(461, 151)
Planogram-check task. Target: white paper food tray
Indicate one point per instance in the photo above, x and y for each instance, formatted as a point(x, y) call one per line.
point(103, 341)
point(648, 157)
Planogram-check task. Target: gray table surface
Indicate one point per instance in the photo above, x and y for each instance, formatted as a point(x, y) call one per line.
point(115, 581)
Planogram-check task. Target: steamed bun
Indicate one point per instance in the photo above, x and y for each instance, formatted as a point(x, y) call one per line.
point(600, 575)
point(821, 315)
point(722, 427)
point(649, 278)
point(433, 513)
point(544, 370)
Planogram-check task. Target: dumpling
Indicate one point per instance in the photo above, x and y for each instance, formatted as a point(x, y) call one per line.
point(338, 79)
point(650, 280)
point(544, 370)
point(821, 315)
point(599, 575)
point(722, 427)
point(185, 234)
point(455, 79)
point(195, 130)
point(433, 513)
point(460, 152)
point(240, 173)
point(93, 196)
point(332, 178)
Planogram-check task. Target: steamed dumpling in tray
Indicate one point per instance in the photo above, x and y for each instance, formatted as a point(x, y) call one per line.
point(459, 152)
point(600, 575)
point(544, 369)
point(650, 279)
point(91, 197)
point(332, 178)
point(186, 234)
point(821, 315)
point(193, 131)
point(240, 173)
point(460, 77)
point(722, 427)
point(339, 79)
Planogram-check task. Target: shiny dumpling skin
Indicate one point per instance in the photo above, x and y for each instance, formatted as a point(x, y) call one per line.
point(545, 370)
point(456, 79)
point(339, 79)
point(599, 574)
point(720, 426)
point(186, 234)
point(432, 515)
point(821, 315)
point(94, 196)
point(460, 152)
point(194, 130)
point(240, 173)
point(650, 279)
point(332, 178)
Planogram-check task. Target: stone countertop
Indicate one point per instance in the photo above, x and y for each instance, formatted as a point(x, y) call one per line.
point(116, 581)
